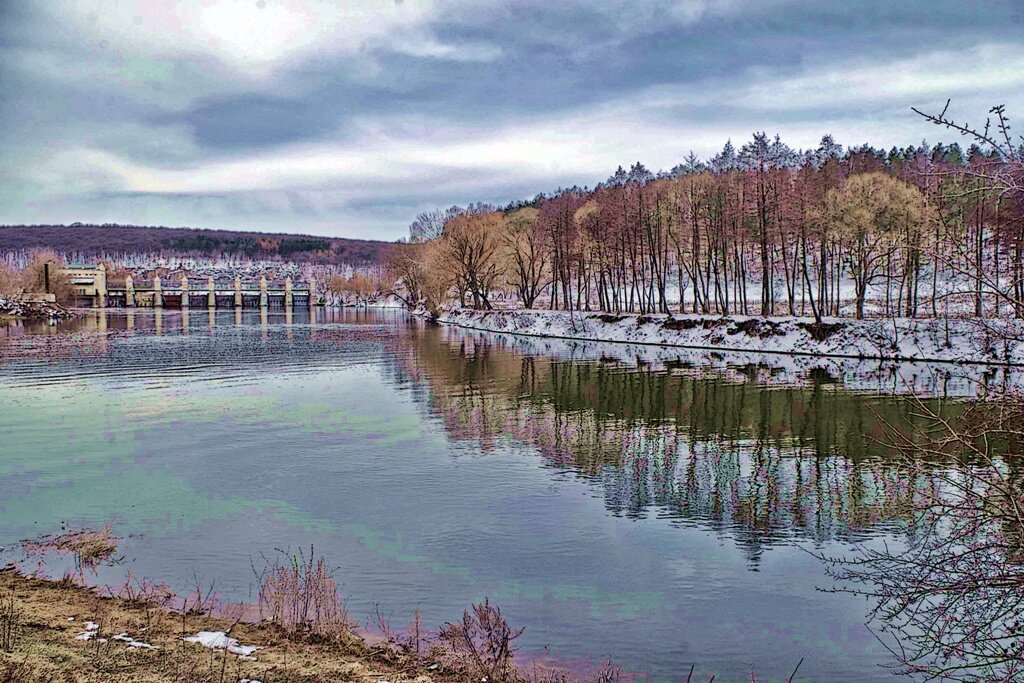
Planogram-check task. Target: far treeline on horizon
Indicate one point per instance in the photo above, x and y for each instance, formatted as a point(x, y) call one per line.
point(96, 241)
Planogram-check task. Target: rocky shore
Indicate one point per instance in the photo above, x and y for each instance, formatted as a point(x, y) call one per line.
point(28, 310)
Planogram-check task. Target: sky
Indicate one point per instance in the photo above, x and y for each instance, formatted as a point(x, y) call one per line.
point(348, 117)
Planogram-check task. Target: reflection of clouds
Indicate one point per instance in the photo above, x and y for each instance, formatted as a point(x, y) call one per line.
point(97, 450)
point(686, 574)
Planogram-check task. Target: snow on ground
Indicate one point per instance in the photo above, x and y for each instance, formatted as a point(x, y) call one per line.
point(92, 630)
point(131, 643)
point(218, 640)
point(38, 311)
point(902, 339)
point(769, 369)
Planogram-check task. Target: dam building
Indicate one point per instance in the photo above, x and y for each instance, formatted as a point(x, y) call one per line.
point(88, 284)
point(93, 289)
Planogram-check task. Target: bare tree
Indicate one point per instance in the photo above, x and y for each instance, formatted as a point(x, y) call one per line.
point(428, 225)
point(1007, 168)
point(526, 256)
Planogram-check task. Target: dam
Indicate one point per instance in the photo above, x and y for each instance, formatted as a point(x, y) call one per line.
point(92, 289)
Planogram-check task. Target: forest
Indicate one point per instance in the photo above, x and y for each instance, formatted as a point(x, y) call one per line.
point(89, 242)
point(758, 229)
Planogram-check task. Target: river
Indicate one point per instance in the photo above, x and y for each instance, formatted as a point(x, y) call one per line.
point(660, 513)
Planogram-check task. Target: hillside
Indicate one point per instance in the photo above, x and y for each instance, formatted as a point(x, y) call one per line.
point(95, 240)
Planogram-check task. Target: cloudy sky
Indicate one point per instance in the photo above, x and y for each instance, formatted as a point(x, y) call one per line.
point(347, 117)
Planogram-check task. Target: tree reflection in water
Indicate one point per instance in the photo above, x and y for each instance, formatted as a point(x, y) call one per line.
point(762, 464)
point(768, 465)
point(951, 606)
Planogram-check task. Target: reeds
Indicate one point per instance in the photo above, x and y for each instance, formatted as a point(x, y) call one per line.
point(301, 597)
point(90, 547)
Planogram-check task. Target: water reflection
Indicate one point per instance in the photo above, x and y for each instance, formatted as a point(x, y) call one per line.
point(613, 500)
point(765, 464)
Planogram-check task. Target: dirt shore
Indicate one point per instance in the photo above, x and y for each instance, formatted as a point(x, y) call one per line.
point(141, 642)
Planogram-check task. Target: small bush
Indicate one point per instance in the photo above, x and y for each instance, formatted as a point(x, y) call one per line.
point(302, 597)
point(482, 643)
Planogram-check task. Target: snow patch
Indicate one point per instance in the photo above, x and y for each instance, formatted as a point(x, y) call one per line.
point(131, 643)
point(985, 341)
point(92, 630)
point(218, 640)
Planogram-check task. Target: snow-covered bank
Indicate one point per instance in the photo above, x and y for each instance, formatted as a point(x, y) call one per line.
point(952, 341)
point(33, 310)
point(768, 369)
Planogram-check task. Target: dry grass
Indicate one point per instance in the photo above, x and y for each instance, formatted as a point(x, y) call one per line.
point(10, 618)
point(46, 648)
point(482, 644)
point(89, 547)
point(300, 596)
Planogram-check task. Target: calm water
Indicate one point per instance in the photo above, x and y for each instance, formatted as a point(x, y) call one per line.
point(659, 516)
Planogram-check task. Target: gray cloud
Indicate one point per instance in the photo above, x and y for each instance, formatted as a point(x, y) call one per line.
point(306, 117)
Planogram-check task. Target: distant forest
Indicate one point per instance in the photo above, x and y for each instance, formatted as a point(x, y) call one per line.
point(111, 238)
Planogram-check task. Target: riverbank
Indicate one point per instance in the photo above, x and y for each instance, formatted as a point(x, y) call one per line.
point(25, 310)
point(61, 631)
point(977, 341)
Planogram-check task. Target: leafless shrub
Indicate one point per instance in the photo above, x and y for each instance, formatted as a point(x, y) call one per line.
point(145, 594)
point(482, 642)
point(951, 605)
point(142, 591)
point(201, 599)
point(416, 636)
point(10, 619)
point(412, 641)
point(301, 596)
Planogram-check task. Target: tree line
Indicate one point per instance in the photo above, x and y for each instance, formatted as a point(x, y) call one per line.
point(762, 229)
point(123, 241)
